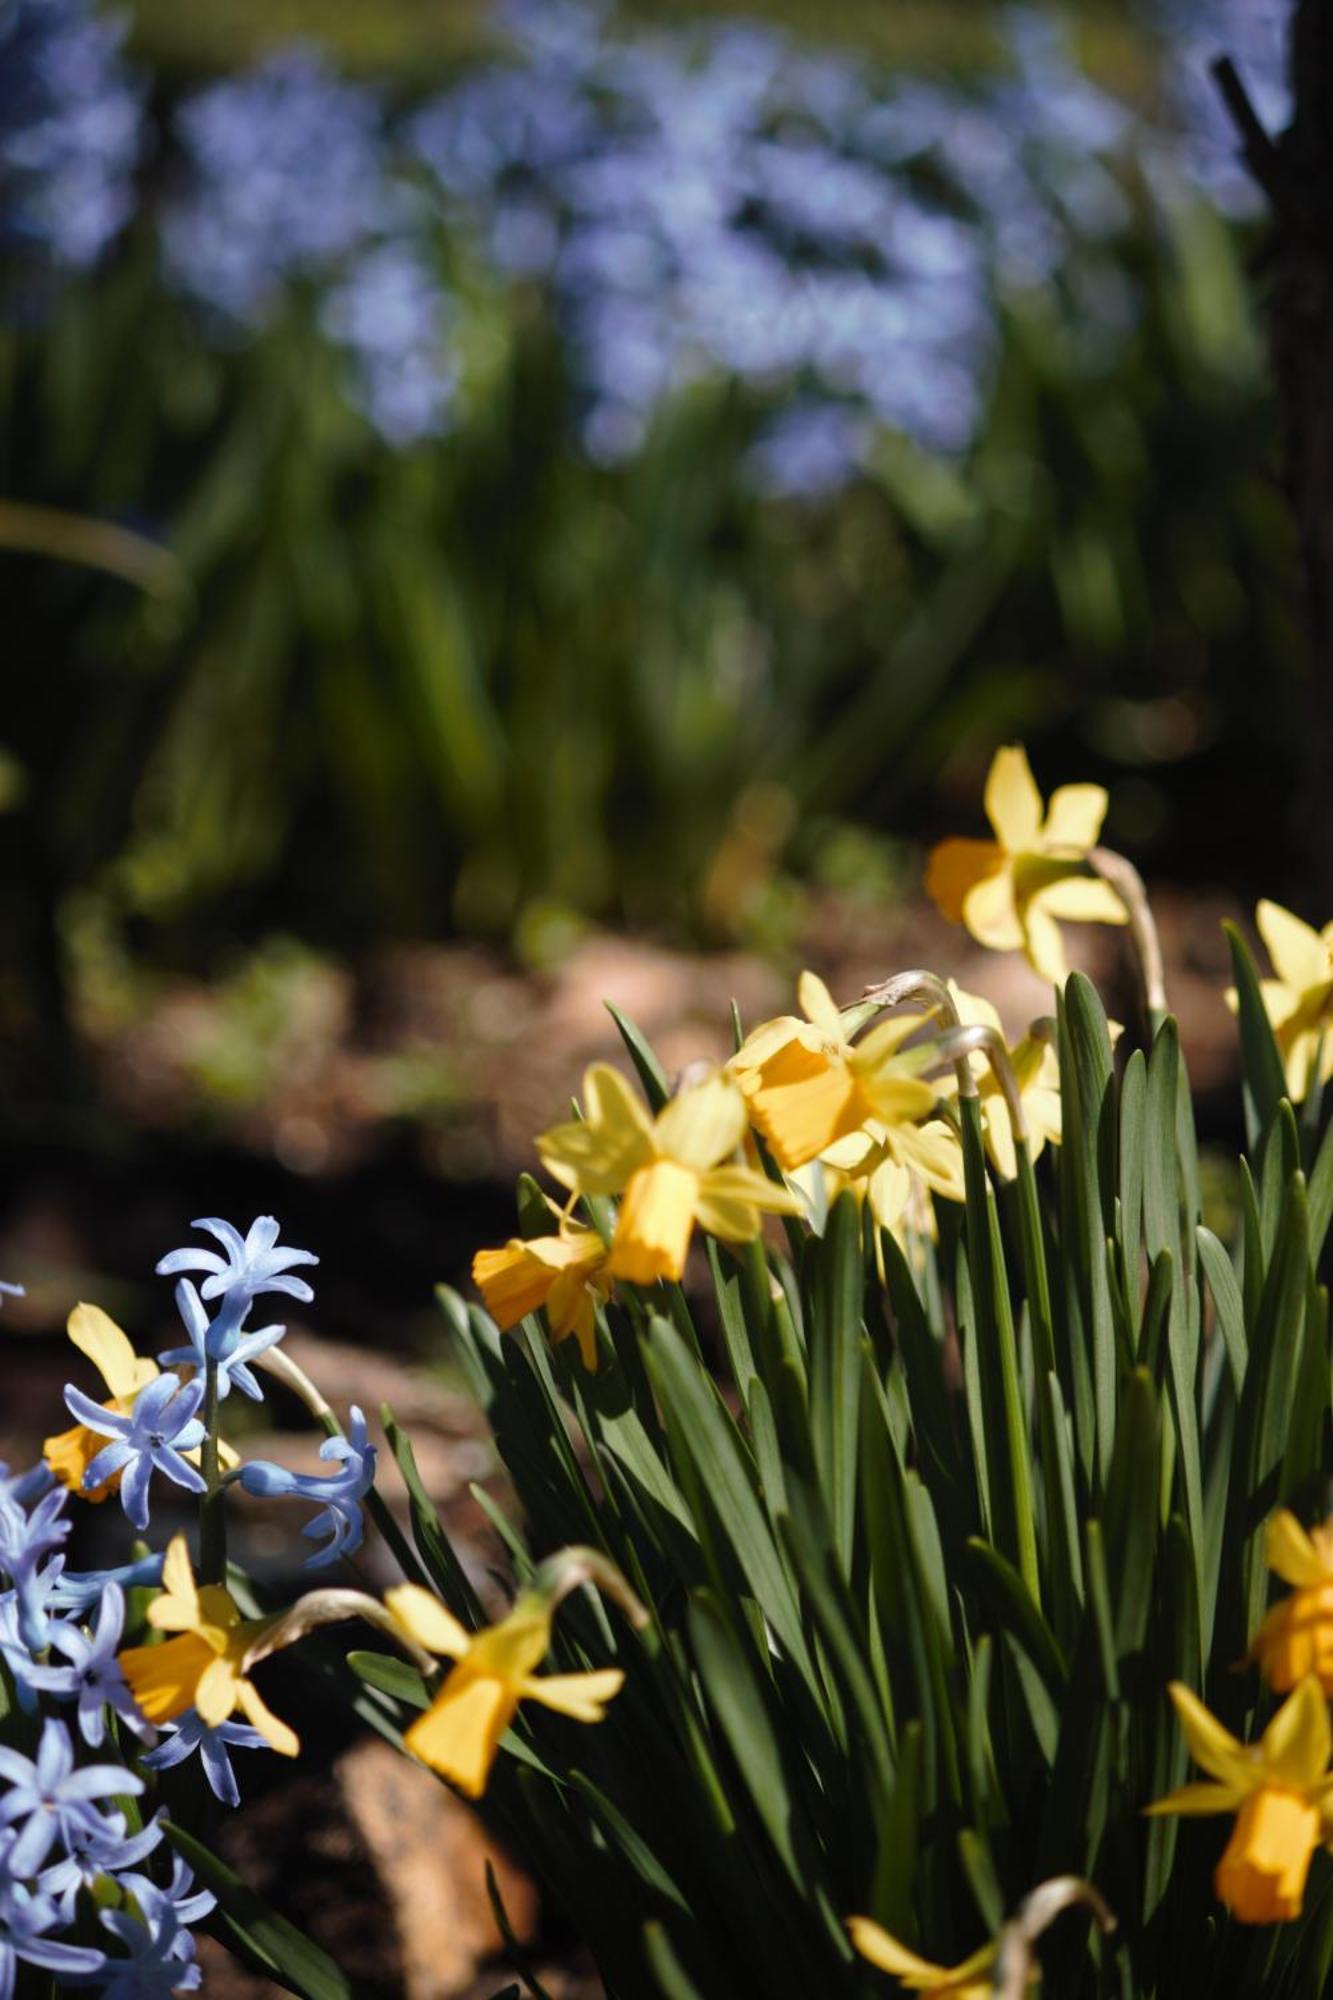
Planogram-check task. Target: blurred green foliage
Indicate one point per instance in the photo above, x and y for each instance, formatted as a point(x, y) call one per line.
point(485, 685)
point(415, 39)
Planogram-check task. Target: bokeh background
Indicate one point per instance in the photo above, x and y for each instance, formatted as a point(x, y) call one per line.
point(502, 507)
point(505, 506)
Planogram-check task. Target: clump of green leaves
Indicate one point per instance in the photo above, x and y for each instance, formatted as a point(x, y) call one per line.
point(924, 1533)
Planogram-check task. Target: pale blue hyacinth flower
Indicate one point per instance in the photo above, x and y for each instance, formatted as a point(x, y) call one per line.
point(47, 1799)
point(27, 1539)
point(76, 1590)
point(242, 1347)
point(192, 1733)
point(254, 1264)
point(161, 1950)
point(93, 1853)
point(161, 1426)
point(339, 1493)
point(92, 1677)
point(26, 1916)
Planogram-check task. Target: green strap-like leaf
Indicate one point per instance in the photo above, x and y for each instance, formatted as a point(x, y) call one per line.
point(265, 1939)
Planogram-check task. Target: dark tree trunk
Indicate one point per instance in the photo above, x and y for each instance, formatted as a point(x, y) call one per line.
point(1295, 171)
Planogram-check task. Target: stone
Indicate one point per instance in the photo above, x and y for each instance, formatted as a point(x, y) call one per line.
point(430, 1851)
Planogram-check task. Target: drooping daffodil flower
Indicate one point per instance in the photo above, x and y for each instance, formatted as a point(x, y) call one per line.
point(493, 1671)
point(1279, 1790)
point(568, 1273)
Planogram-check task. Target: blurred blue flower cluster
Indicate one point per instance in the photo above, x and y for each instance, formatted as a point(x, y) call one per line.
point(71, 134)
point(696, 201)
point(1201, 138)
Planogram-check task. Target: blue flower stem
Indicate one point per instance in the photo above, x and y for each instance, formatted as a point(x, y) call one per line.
point(212, 1508)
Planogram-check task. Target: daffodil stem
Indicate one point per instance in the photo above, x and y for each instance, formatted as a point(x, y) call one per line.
point(212, 1508)
point(927, 986)
point(1127, 883)
point(1034, 1259)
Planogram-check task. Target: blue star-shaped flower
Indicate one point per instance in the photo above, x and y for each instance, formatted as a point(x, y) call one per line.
point(339, 1494)
point(231, 1346)
point(93, 1677)
point(254, 1263)
point(93, 1853)
point(151, 1438)
point(26, 1540)
point(191, 1734)
point(160, 1947)
point(26, 1915)
point(49, 1800)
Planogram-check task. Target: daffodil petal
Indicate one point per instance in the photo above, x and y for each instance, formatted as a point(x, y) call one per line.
point(1290, 1553)
point(1013, 803)
point(1210, 1745)
point(1299, 954)
point(598, 1153)
point(96, 1334)
point(935, 1154)
point(1074, 817)
point(885, 1952)
point(955, 867)
point(818, 1005)
point(991, 914)
point(163, 1678)
point(582, 1696)
point(1295, 1746)
point(1193, 1801)
point(703, 1124)
point(1044, 945)
point(275, 1732)
point(426, 1621)
point(1081, 899)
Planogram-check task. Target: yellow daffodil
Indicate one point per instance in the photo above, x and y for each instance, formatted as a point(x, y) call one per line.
point(566, 1273)
point(972, 1980)
point(1279, 1791)
point(874, 1162)
point(70, 1453)
point(1299, 1001)
point(1036, 1069)
point(460, 1732)
point(1296, 1638)
point(1014, 891)
point(670, 1171)
point(811, 1088)
point(205, 1667)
